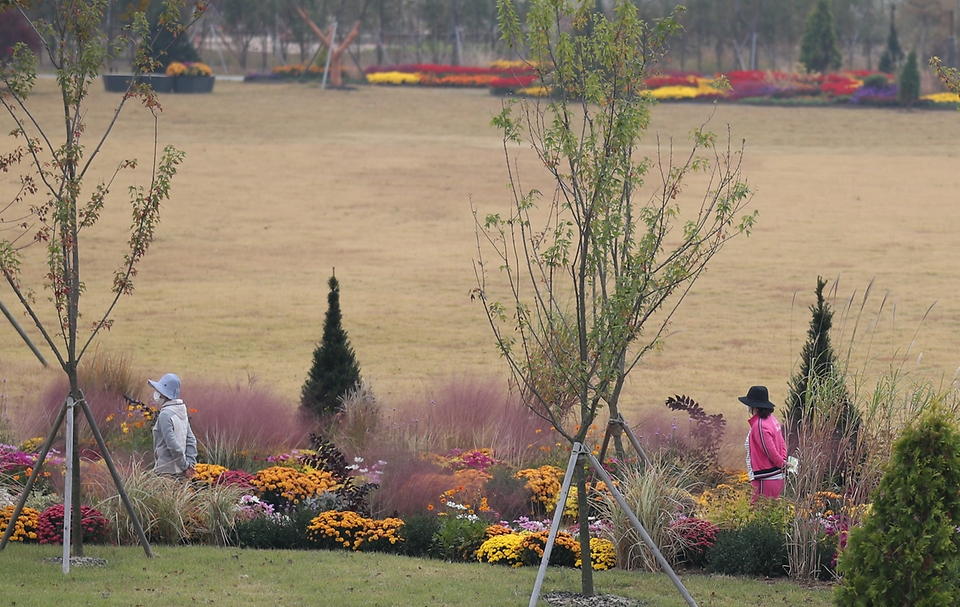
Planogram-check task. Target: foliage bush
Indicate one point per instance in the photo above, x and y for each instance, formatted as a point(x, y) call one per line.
point(50, 525)
point(876, 80)
point(757, 548)
point(907, 552)
point(701, 447)
point(458, 538)
point(418, 534)
point(276, 531)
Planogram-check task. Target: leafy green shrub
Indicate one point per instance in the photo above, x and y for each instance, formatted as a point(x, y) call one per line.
point(280, 532)
point(876, 80)
point(418, 534)
point(458, 538)
point(907, 552)
point(758, 548)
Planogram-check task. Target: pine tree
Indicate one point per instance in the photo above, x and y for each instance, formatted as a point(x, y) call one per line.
point(819, 51)
point(908, 89)
point(907, 552)
point(893, 54)
point(335, 368)
point(820, 379)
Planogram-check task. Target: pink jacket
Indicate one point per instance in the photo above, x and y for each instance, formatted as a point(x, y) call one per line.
point(766, 449)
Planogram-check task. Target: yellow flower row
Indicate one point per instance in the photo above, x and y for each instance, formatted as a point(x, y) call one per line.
point(703, 89)
point(394, 78)
point(516, 549)
point(943, 97)
point(354, 532)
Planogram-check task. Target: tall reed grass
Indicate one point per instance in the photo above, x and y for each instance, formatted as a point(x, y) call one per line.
point(655, 493)
point(468, 413)
point(240, 426)
point(840, 454)
point(171, 512)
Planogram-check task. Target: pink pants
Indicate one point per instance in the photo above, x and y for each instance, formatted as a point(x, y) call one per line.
point(767, 488)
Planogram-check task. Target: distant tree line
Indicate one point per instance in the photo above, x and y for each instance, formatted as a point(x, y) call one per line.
point(718, 35)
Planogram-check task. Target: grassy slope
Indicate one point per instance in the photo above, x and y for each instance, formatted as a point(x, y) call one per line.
point(284, 182)
point(201, 575)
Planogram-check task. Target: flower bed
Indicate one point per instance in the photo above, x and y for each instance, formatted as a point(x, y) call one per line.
point(748, 86)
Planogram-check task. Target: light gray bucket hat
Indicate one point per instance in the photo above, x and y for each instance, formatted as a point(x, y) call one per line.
point(168, 385)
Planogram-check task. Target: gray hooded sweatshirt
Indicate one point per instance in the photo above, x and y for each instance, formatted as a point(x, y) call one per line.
point(174, 445)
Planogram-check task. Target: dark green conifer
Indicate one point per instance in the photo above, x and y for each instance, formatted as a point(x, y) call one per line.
point(819, 51)
point(907, 552)
point(335, 368)
point(893, 54)
point(908, 88)
point(817, 360)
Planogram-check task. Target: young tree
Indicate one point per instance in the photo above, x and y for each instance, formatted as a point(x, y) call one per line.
point(335, 368)
point(893, 54)
point(908, 86)
point(907, 552)
point(950, 76)
point(54, 202)
point(590, 281)
point(819, 51)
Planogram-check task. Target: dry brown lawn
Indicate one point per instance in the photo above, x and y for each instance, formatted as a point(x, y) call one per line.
point(282, 183)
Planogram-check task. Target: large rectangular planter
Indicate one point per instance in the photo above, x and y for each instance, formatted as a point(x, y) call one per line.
point(119, 83)
point(194, 84)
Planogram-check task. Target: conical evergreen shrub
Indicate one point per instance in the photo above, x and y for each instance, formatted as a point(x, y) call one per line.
point(908, 90)
point(819, 51)
point(908, 550)
point(335, 368)
point(893, 54)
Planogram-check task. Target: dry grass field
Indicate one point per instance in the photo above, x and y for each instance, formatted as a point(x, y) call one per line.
point(284, 182)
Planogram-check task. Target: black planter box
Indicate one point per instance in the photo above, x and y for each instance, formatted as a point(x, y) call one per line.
point(193, 84)
point(119, 83)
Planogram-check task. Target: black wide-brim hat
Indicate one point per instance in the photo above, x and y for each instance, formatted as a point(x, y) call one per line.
point(757, 398)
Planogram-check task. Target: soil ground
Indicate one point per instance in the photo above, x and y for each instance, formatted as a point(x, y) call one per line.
point(282, 183)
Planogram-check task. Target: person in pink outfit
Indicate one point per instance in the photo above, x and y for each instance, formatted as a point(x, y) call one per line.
point(766, 448)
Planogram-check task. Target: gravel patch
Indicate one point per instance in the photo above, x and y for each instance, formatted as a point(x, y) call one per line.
point(78, 561)
point(572, 599)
